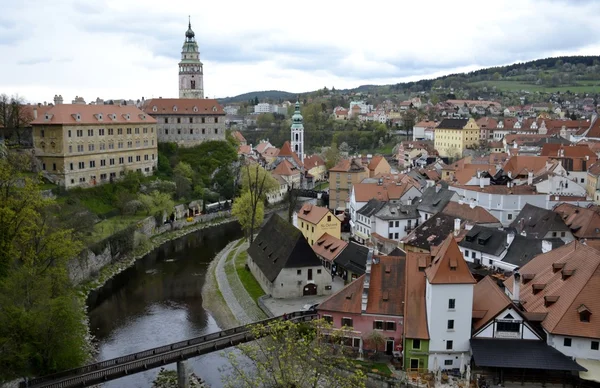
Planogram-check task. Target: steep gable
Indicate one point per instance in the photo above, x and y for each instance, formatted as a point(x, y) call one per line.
point(449, 266)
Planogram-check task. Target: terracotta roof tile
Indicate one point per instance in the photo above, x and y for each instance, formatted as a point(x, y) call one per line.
point(329, 247)
point(415, 309)
point(571, 151)
point(346, 300)
point(94, 114)
point(348, 165)
point(262, 147)
point(286, 151)
point(312, 214)
point(238, 136)
point(270, 152)
point(521, 165)
point(313, 161)
point(449, 266)
point(386, 286)
point(477, 214)
point(363, 192)
point(375, 162)
point(244, 150)
point(583, 222)
point(577, 285)
point(489, 299)
point(286, 168)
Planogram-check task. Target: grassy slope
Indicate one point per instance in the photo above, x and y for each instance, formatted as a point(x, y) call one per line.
point(250, 283)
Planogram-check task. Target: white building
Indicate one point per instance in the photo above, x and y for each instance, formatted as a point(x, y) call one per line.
point(449, 304)
point(191, 78)
point(395, 220)
point(263, 107)
point(297, 133)
point(364, 107)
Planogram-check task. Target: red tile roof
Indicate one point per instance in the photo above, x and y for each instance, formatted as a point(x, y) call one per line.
point(312, 214)
point(571, 273)
point(415, 309)
point(375, 162)
point(386, 286)
point(286, 168)
point(522, 165)
point(449, 266)
point(238, 136)
point(94, 114)
point(489, 301)
point(570, 151)
point(347, 165)
point(187, 106)
point(313, 161)
point(477, 214)
point(583, 222)
point(329, 247)
point(346, 300)
point(286, 151)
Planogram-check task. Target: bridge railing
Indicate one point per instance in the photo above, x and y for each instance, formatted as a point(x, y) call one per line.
point(149, 354)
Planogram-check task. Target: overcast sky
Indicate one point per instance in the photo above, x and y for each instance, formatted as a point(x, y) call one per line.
point(130, 49)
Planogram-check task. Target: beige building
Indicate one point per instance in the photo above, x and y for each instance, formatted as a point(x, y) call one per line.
point(85, 145)
point(453, 136)
point(187, 122)
point(341, 178)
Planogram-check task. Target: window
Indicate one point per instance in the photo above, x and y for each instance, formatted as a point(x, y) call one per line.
point(216, 131)
point(378, 325)
point(90, 147)
point(81, 165)
point(449, 345)
point(466, 253)
point(129, 144)
point(451, 304)
point(70, 166)
point(103, 177)
point(70, 148)
point(447, 362)
point(390, 235)
point(299, 272)
point(167, 122)
point(166, 131)
point(178, 120)
point(92, 163)
point(111, 131)
point(416, 344)
point(146, 157)
point(328, 318)
point(129, 131)
point(90, 132)
point(121, 160)
point(450, 324)
point(553, 234)
point(138, 158)
point(101, 132)
point(137, 131)
point(179, 131)
point(103, 162)
point(510, 216)
point(567, 342)
point(120, 144)
point(595, 345)
point(145, 130)
point(318, 271)
point(69, 132)
point(80, 133)
point(119, 131)
point(562, 234)
point(111, 162)
point(203, 120)
point(512, 327)
point(473, 255)
point(398, 224)
point(102, 146)
point(130, 159)
point(582, 180)
point(111, 146)
point(391, 224)
point(390, 325)
point(355, 341)
point(347, 322)
point(43, 166)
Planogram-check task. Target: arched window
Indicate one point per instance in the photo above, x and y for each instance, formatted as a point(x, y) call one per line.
point(193, 83)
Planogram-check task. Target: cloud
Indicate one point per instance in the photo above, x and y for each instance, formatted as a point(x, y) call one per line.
point(128, 49)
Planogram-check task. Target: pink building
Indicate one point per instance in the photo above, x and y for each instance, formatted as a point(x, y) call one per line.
point(373, 302)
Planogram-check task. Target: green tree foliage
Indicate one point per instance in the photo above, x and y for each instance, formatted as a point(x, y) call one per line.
point(249, 215)
point(265, 120)
point(301, 355)
point(256, 183)
point(332, 156)
point(184, 169)
point(156, 202)
point(376, 340)
point(42, 327)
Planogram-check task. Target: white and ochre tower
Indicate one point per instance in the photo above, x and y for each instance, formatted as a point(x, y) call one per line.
point(297, 142)
point(191, 82)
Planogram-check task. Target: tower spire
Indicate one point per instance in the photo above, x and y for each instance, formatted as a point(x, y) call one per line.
point(190, 22)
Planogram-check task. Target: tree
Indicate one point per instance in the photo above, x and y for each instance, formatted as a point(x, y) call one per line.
point(265, 120)
point(257, 182)
point(290, 354)
point(42, 328)
point(156, 202)
point(184, 169)
point(14, 116)
point(332, 156)
point(247, 213)
point(376, 339)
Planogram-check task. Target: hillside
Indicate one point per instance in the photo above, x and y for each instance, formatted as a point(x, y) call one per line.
point(575, 74)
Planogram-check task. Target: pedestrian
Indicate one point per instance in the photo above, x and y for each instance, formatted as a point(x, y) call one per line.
point(284, 316)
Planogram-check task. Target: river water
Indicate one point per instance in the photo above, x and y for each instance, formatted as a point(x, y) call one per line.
point(159, 301)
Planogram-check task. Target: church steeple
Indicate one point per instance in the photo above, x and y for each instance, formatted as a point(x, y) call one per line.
point(298, 132)
point(191, 82)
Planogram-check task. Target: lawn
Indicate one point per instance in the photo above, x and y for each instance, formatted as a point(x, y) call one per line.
point(379, 366)
point(508, 85)
point(322, 186)
point(250, 283)
point(112, 225)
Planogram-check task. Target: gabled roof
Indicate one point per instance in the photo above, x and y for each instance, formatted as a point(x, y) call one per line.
point(93, 114)
point(371, 207)
point(415, 309)
point(386, 286)
point(183, 106)
point(449, 266)
point(476, 214)
point(238, 136)
point(353, 258)
point(570, 151)
point(286, 152)
point(347, 300)
point(489, 300)
point(375, 162)
point(349, 165)
point(434, 199)
point(312, 213)
point(431, 233)
point(583, 222)
point(453, 123)
point(329, 247)
point(313, 161)
point(536, 222)
point(262, 146)
point(280, 245)
point(524, 249)
point(571, 273)
point(286, 168)
point(486, 240)
point(522, 165)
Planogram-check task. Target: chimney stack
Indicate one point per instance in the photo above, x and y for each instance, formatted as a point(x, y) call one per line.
point(530, 178)
point(546, 246)
point(437, 188)
point(472, 204)
point(34, 112)
point(456, 226)
point(516, 291)
point(509, 238)
point(367, 280)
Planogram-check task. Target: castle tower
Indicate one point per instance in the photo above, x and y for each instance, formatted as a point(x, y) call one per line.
point(191, 82)
point(298, 133)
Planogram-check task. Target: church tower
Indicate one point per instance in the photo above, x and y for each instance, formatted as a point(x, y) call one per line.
point(298, 133)
point(191, 82)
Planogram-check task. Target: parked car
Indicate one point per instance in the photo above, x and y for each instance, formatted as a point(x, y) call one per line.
point(310, 307)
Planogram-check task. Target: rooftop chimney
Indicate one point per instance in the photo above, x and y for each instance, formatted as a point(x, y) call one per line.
point(34, 113)
point(456, 226)
point(473, 203)
point(437, 188)
point(516, 292)
point(509, 238)
point(530, 178)
point(438, 221)
point(367, 280)
point(546, 246)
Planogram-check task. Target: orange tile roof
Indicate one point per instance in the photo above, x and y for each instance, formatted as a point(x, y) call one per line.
point(386, 286)
point(521, 165)
point(286, 151)
point(329, 247)
point(415, 309)
point(238, 135)
point(375, 162)
point(91, 114)
point(312, 214)
point(346, 300)
point(477, 214)
point(578, 290)
point(347, 165)
point(187, 106)
point(244, 150)
point(313, 161)
point(488, 299)
point(487, 123)
point(570, 151)
point(468, 171)
point(449, 266)
point(262, 147)
point(271, 151)
point(285, 168)
point(363, 192)
point(583, 222)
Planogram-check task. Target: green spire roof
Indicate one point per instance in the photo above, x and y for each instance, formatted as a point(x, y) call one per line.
point(297, 118)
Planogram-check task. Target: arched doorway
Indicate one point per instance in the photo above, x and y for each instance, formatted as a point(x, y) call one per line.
point(310, 289)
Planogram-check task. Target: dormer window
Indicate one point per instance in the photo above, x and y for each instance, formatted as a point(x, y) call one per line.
point(154, 109)
point(567, 273)
point(214, 108)
point(127, 116)
point(175, 109)
point(195, 109)
point(557, 267)
point(99, 116)
point(537, 288)
point(550, 300)
point(584, 313)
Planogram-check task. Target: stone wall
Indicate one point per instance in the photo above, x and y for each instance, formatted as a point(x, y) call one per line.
point(88, 264)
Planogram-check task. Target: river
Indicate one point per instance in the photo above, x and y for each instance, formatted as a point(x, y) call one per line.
point(158, 301)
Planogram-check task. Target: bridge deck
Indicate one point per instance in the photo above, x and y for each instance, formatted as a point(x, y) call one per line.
point(152, 358)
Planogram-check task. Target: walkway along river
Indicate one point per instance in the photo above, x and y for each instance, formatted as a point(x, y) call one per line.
point(158, 301)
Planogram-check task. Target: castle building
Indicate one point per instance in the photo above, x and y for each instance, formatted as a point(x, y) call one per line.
point(85, 145)
point(298, 133)
point(191, 82)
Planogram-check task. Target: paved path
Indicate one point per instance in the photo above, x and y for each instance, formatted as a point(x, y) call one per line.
point(236, 309)
point(239, 291)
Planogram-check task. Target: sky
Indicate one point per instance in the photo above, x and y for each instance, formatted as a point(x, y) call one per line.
point(130, 49)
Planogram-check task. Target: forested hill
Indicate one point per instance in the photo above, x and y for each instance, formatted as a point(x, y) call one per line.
point(567, 73)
